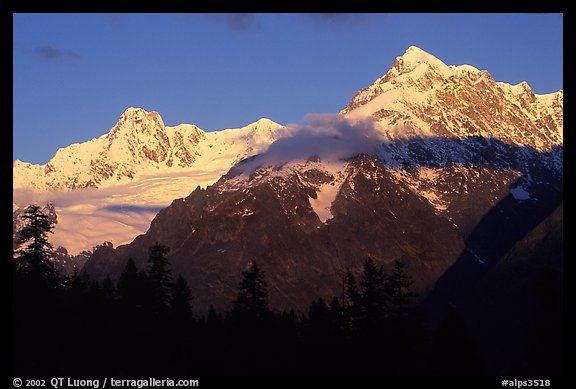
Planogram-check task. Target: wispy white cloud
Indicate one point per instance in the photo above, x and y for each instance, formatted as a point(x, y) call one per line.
point(330, 137)
point(90, 216)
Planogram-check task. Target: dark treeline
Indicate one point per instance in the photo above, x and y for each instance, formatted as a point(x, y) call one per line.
point(145, 323)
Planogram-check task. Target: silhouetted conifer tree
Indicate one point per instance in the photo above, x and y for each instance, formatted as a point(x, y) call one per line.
point(373, 298)
point(335, 307)
point(159, 277)
point(351, 306)
point(77, 283)
point(336, 314)
point(318, 314)
point(108, 289)
point(131, 284)
point(398, 288)
point(252, 301)
point(315, 324)
point(34, 259)
point(367, 307)
point(181, 298)
point(288, 323)
point(94, 293)
point(213, 318)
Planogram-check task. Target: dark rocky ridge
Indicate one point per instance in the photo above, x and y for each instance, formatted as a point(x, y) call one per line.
point(212, 238)
point(214, 233)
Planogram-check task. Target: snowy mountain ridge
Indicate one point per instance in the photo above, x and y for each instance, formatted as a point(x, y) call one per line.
point(444, 132)
point(439, 130)
point(421, 96)
point(111, 187)
point(140, 144)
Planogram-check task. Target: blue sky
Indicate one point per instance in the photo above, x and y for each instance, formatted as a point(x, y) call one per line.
point(74, 74)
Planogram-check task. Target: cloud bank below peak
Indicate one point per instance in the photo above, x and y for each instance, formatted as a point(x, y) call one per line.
point(329, 137)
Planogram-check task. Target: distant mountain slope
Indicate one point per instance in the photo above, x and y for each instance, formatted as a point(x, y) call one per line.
point(518, 307)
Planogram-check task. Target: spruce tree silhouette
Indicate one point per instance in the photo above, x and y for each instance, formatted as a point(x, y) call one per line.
point(336, 314)
point(213, 318)
point(318, 311)
point(324, 323)
point(77, 284)
point(34, 260)
point(316, 330)
point(159, 277)
point(108, 289)
point(181, 298)
point(398, 289)
point(373, 298)
point(131, 284)
point(252, 301)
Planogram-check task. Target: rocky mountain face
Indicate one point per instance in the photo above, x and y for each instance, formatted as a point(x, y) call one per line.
point(215, 233)
point(464, 168)
point(442, 122)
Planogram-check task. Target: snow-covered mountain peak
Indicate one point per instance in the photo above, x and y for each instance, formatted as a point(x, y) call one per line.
point(139, 120)
point(417, 62)
point(142, 162)
point(420, 96)
point(132, 115)
point(265, 122)
point(254, 136)
point(413, 71)
point(131, 111)
point(415, 56)
point(260, 125)
point(263, 126)
point(413, 64)
point(140, 144)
